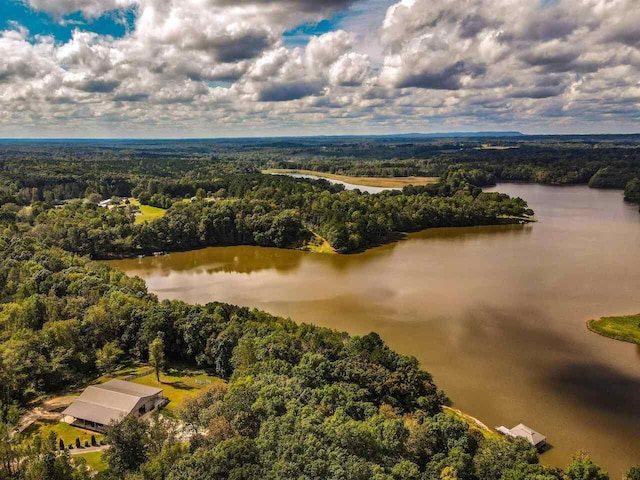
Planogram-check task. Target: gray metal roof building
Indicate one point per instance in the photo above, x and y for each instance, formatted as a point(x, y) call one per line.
point(534, 438)
point(522, 431)
point(100, 405)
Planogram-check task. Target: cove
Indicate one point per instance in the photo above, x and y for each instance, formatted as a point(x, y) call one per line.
point(496, 314)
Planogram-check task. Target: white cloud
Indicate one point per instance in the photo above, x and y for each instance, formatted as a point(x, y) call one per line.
point(89, 8)
point(350, 69)
point(223, 63)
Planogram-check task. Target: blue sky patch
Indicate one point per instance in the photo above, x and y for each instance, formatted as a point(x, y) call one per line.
point(300, 36)
point(114, 23)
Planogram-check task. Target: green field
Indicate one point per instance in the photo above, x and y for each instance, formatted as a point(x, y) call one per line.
point(94, 460)
point(383, 182)
point(177, 383)
point(625, 328)
point(147, 212)
point(62, 430)
point(318, 245)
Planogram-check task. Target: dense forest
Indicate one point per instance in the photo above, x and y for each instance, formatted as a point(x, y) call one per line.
point(298, 401)
point(632, 190)
point(166, 170)
point(605, 167)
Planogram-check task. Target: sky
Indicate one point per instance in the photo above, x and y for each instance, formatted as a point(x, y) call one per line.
point(229, 68)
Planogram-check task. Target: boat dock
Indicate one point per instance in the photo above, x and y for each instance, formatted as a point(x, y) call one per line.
point(522, 431)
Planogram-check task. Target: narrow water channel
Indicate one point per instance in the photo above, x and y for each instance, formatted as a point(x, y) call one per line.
point(346, 185)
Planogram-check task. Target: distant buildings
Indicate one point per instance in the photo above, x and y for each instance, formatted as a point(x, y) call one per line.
point(101, 405)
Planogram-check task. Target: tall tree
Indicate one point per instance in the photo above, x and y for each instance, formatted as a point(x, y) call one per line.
point(127, 445)
point(583, 468)
point(156, 355)
point(108, 357)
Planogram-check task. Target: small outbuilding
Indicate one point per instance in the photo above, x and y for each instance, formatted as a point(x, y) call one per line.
point(529, 434)
point(103, 404)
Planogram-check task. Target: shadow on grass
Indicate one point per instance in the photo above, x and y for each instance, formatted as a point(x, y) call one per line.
point(185, 371)
point(36, 426)
point(179, 385)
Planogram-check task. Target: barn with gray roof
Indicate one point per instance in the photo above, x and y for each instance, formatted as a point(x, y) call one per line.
point(106, 403)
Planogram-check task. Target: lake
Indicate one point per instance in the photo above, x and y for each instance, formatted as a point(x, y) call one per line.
point(496, 314)
point(346, 185)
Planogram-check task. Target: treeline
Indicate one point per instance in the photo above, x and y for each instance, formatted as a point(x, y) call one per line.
point(632, 191)
point(53, 173)
point(57, 171)
point(273, 211)
point(300, 402)
point(106, 233)
point(605, 167)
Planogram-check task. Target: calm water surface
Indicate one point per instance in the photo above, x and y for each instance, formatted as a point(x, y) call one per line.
point(496, 314)
point(347, 186)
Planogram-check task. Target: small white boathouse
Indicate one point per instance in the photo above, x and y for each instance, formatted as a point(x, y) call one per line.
point(522, 431)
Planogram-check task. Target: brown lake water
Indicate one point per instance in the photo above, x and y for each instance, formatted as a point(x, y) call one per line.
point(496, 314)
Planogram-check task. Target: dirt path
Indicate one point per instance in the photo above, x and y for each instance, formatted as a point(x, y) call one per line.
point(80, 451)
point(48, 409)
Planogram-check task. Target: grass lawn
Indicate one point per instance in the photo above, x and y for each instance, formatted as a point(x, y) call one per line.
point(177, 383)
point(147, 212)
point(94, 460)
point(324, 247)
point(625, 329)
point(383, 182)
point(318, 245)
point(63, 431)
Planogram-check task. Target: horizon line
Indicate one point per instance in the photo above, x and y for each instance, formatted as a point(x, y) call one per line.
point(445, 134)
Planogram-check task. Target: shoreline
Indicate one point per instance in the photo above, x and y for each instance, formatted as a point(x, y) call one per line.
point(624, 328)
point(472, 421)
point(394, 237)
point(378, 182)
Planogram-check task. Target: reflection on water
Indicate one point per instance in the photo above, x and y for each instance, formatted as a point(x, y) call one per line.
point(347, 186)
point(497, 314)
point(226, 260)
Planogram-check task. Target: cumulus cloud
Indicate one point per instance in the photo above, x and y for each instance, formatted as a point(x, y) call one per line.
point(89, 8)
point(460, 44)
point(225, 62)
point(283, 75)
point(350, 69)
